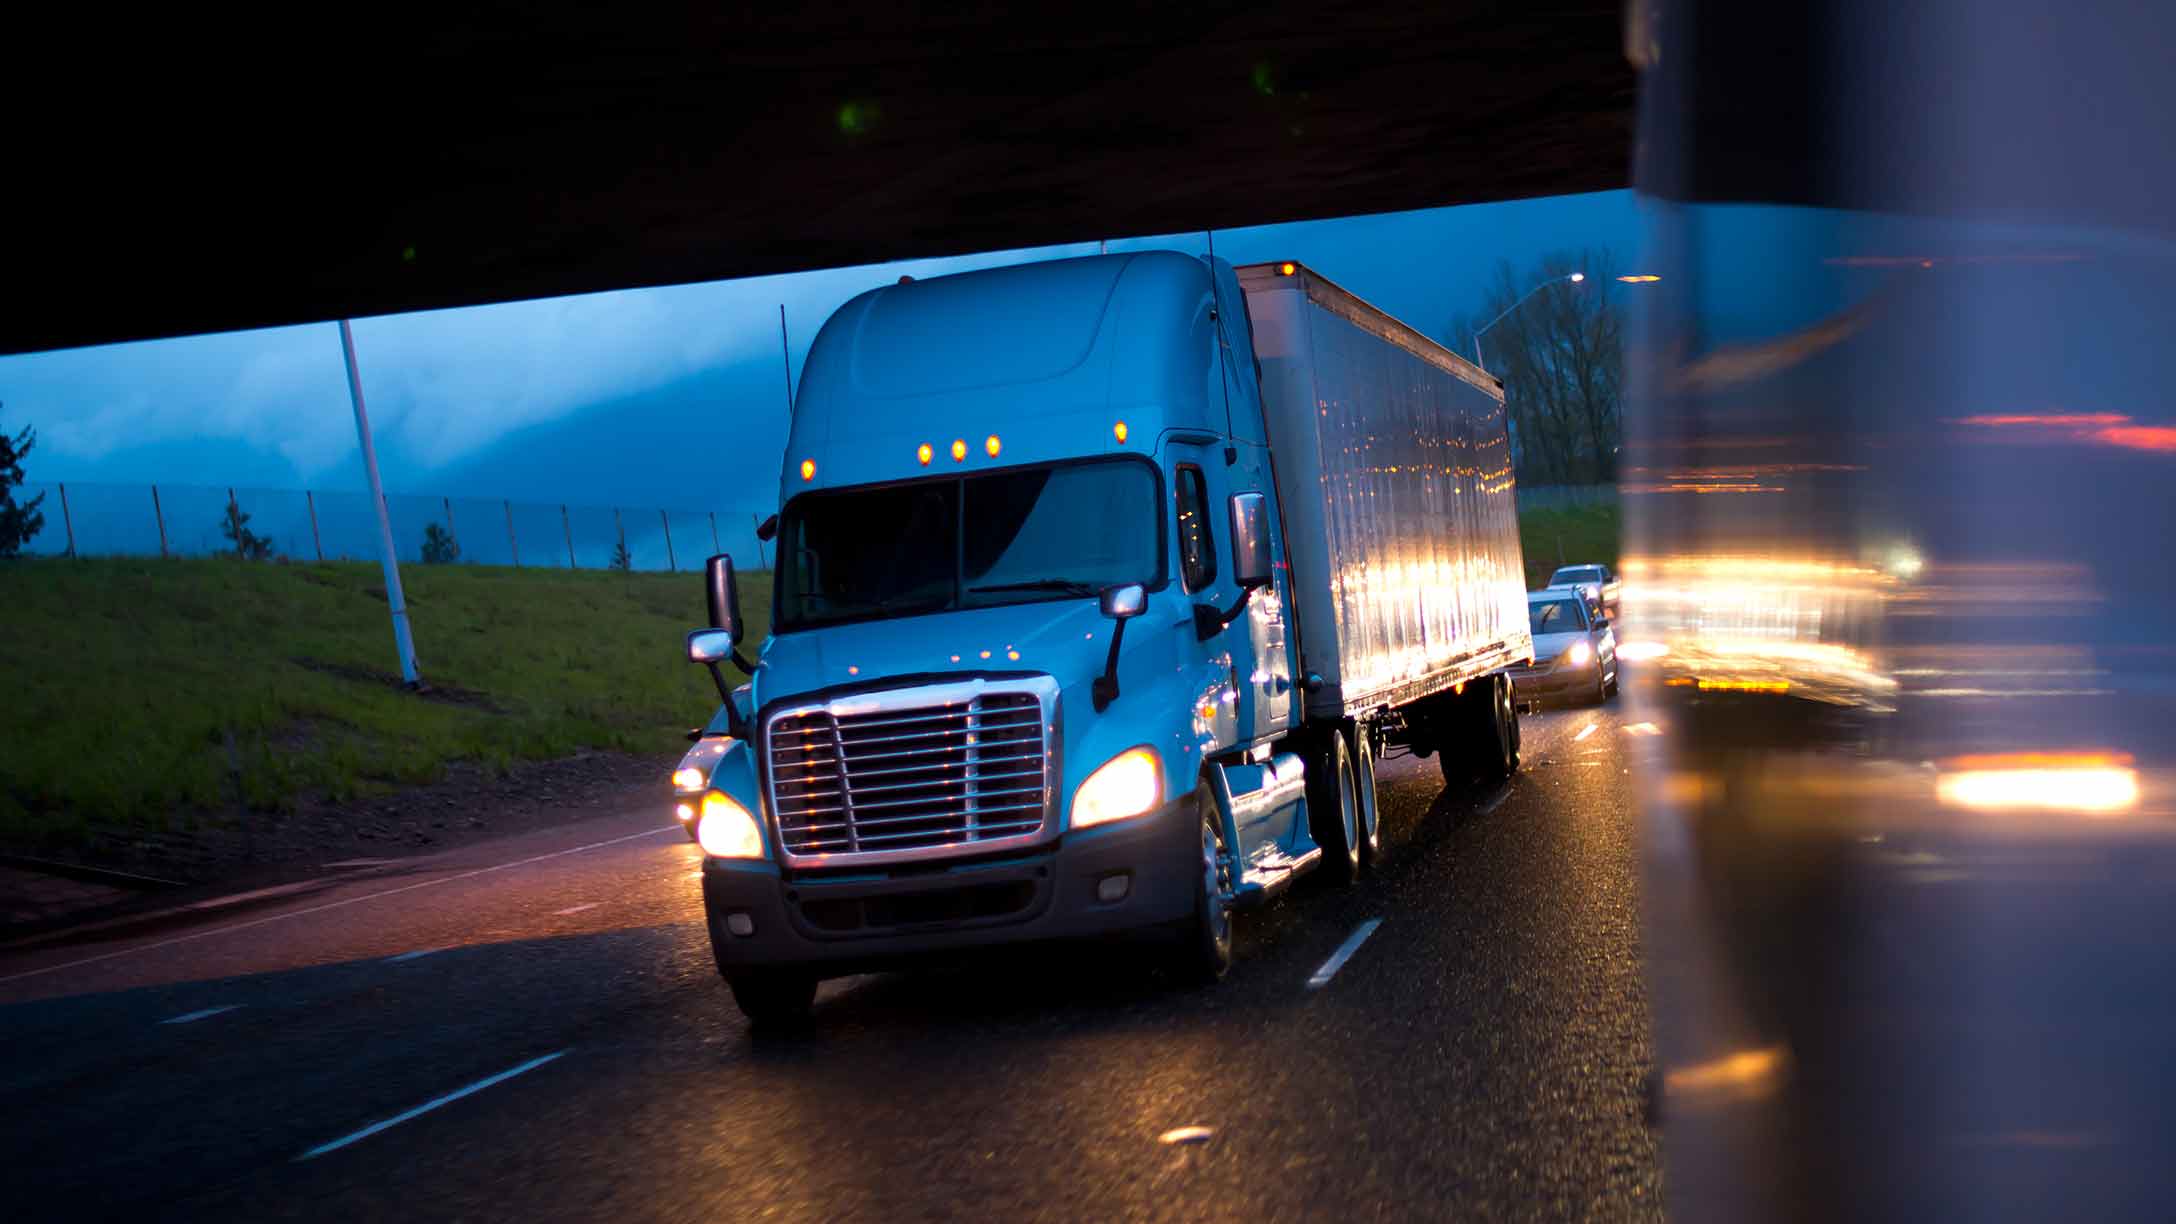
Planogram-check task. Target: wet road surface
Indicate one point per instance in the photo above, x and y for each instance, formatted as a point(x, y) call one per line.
point(533, 1029)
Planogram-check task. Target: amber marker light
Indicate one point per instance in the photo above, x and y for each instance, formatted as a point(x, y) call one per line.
point(808, 469)
point(1287, 269)
point(959, 450)
point(990, 444)
point(922, 453)
point(1118, 431)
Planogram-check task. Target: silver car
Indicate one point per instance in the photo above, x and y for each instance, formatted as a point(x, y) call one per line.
point(1599, 583)
point(1575, 651)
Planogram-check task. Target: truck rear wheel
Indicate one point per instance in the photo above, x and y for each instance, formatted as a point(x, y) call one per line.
point(1333, 808)
point(1482, 726)
point(1497, 745)
point(773, 998)
point(1363, 778)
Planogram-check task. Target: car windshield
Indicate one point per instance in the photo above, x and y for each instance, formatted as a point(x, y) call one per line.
point(1031, 534)
point(1555, 616)
point(1584, 573)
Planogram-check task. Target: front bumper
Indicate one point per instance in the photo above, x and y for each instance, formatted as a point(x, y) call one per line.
point(859, 920)
point(1555, 682)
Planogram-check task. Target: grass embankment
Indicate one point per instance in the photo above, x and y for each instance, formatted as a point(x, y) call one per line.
point(124, 678)
point(1568, 536)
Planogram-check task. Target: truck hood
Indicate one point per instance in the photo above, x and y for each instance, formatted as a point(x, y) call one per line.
point(1065, 639)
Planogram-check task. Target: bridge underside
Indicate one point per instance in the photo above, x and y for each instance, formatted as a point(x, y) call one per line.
point(186, 173)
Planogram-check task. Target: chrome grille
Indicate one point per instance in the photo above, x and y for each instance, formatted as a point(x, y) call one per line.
point(867, 776)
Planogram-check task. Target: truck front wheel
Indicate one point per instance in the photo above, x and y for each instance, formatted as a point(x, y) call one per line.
point(773, 998)
point(1203, 950)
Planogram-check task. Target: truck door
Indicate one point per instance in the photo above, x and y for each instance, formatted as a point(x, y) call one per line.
point(1253, 647)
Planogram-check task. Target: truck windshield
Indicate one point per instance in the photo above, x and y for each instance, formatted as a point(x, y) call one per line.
point(1061, 532)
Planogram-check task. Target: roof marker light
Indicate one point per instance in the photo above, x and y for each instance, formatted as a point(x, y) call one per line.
point(808, 469)
point(959, 450)
point(990, 444)
point(923, 453)
point(1118, 431)
point(1287, 269)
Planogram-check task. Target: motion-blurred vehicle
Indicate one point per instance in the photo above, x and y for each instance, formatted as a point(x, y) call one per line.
point(1575, 651)
point(1058, 652)
point(1598, 583)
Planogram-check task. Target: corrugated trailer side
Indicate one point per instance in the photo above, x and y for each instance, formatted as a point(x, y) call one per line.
point(1393, 473)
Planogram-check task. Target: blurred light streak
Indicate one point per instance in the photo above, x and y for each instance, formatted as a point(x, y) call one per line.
point(2095, 782)
point(2103, 428)
point(1745, 1073)
point(1641, 651)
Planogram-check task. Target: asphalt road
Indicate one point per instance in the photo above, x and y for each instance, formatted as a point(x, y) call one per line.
point(1482, 1052)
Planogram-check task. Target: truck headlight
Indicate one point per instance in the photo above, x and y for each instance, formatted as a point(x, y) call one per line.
point(727, 830)
point(1580, 654)
point(1127, 785)
point(688, 778)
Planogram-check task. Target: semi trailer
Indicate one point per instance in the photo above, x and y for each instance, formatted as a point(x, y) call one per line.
point(1101, 585)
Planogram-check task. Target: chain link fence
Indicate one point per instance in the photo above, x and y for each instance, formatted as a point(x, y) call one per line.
point(85, 519)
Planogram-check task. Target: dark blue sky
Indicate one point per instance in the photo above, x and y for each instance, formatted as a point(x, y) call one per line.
point(631, 398)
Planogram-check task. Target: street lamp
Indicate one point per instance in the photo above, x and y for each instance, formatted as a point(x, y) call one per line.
point(1573, 278)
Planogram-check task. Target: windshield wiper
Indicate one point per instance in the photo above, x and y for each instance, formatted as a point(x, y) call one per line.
point(1068, 585)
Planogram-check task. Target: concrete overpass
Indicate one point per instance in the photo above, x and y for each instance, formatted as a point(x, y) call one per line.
point(193, 171)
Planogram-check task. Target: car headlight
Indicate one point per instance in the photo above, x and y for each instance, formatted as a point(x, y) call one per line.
point(1581, 653)
point(1127, 785)
point(727, 830)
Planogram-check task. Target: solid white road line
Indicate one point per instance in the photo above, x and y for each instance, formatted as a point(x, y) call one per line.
point(409, 956)
point(576, 909)
point(1642, 728)
point(1585, 731)
point(1344, 953)
point(193, 1017)
point(428, 1106)
point(332, 905)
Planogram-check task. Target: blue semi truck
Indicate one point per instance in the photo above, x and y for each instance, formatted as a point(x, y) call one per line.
point(1101, 585)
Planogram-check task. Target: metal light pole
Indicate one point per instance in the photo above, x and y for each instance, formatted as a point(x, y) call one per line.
point(1573, 278)
point(393, 597)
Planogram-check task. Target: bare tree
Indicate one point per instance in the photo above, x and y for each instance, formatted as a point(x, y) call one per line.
point(1561, 356)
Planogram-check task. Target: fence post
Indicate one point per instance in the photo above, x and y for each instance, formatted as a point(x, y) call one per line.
point(714, 549)
point(67, 519)
point(317, 543)
point(512, 545)
point(160, 515)
point(569, 529)
point(451, 534)
point(671, 564)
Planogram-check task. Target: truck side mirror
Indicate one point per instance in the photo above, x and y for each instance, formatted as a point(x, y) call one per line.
point(1250, 540)
point(721, 642)
point(767, 530)
point(723, 595)
point(1121, 604)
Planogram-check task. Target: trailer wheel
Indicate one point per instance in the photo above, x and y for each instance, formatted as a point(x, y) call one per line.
point(773, 998)
point(1333, 808)
point(1203, 950)
point(1363, 778)
point(1498, 743)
